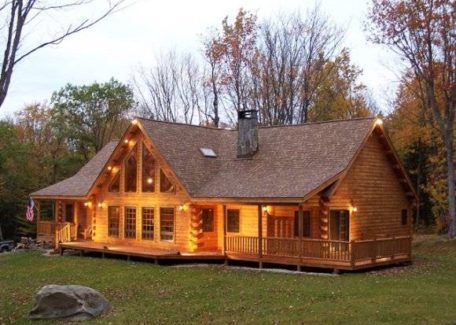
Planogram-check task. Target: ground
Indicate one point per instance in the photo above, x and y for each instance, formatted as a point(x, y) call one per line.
point(143, 293)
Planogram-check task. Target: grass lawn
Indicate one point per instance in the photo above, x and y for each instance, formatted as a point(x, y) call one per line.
point(143, 293)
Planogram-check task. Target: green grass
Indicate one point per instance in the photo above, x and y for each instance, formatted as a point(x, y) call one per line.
point(424, 293)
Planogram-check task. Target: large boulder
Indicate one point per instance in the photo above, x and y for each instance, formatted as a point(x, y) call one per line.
point(68, 302)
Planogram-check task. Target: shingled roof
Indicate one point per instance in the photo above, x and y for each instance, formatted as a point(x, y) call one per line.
point(291, 161)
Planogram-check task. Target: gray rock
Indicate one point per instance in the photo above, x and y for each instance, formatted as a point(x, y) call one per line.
point(69, 302)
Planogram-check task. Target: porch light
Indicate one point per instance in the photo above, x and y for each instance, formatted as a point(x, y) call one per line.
point(134, 122)
point(100, 204)
point(183, 207)
point(355, 209)
point(266, 208)
point(378, 122)
point(88, 204)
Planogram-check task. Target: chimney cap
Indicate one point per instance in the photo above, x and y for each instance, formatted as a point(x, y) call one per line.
point(248, 114)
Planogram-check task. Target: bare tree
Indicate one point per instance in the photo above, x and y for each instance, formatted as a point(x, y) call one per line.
point(172, 90)
point(18, 14)
point(296, 53)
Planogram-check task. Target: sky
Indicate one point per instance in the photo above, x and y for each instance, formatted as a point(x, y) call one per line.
point(134, 36)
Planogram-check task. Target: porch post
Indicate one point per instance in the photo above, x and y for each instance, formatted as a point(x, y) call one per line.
point(224, 233)
point(300, 233)
point(260, 235)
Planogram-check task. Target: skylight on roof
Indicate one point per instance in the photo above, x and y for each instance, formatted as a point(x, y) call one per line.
point(208, 152)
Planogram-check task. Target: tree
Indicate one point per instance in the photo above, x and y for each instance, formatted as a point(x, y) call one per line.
point(18, 15)
point(172, 90)
point(422, 33)
point(90, 116)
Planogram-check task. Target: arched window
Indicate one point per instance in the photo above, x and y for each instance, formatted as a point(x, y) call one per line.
point(148, 171)
point(130, 172)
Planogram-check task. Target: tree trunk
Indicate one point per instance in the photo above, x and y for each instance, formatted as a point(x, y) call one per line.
point(451, 185)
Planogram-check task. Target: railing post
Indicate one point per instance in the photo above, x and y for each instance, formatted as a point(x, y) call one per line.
point(374, 250)
point(300, 230)
point(352, 253)
point(224, 230)
point(260, 235)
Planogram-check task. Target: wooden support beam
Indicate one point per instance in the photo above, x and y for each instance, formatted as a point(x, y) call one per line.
point(300, 229)
point(260, 235)
point(224, 229)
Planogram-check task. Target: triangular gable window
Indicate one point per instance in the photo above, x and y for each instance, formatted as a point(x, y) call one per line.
point(115, 184)
point(131, 171)
point(165, 185)
point(148, 172)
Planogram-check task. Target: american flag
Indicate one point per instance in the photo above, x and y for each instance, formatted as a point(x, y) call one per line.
point(29, 213)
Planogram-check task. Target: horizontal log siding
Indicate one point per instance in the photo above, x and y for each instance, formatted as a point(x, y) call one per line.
point(373, 187)
point(138, 200)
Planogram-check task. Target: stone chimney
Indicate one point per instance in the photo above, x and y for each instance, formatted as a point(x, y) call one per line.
point(247, 133)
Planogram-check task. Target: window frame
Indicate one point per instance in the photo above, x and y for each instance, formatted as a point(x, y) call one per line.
point(212, 224)
point(307, 214)
point(151, 225)
point(173, 225)
point(130, 230)
point(132, 154)
point(238, 221)
point(110, 234)
point(51, 208)
point(143, 171)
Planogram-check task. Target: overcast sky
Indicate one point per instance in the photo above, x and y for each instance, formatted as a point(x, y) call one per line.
point(135, 35)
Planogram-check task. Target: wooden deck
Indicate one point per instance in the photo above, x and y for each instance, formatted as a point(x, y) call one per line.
point(137, 251)
point(354, 255)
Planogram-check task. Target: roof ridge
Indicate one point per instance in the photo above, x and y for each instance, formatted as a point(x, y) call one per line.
point(184, 124)
point(318, 122)
point(259, 125)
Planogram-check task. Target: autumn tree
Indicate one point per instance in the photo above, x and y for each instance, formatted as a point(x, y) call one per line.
point(90, 116)
point(20, 19)
point(422, 33)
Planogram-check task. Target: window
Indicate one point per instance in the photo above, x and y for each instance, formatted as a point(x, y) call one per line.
point(130, 222)
point(115, 184)
point(148, 223)
point(339, 226)
point(148, 171)
point(208, 220)
point(404, 217)
point(113, 221)
point(167, 224)
point(232, 222)
point(47, 211)
point(208, 152)
point(130, 172)
point(305, 224)
point(165, 185)
point(69, 212)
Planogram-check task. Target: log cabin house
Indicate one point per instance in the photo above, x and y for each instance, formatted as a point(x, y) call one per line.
point(329, 195)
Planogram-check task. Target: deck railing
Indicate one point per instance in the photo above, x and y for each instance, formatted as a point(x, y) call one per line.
point(65, 233)
point(350, 252)
point(45, 228)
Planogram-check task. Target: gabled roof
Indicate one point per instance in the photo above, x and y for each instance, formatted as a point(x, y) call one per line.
point(292, 161)
point(80, 184)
